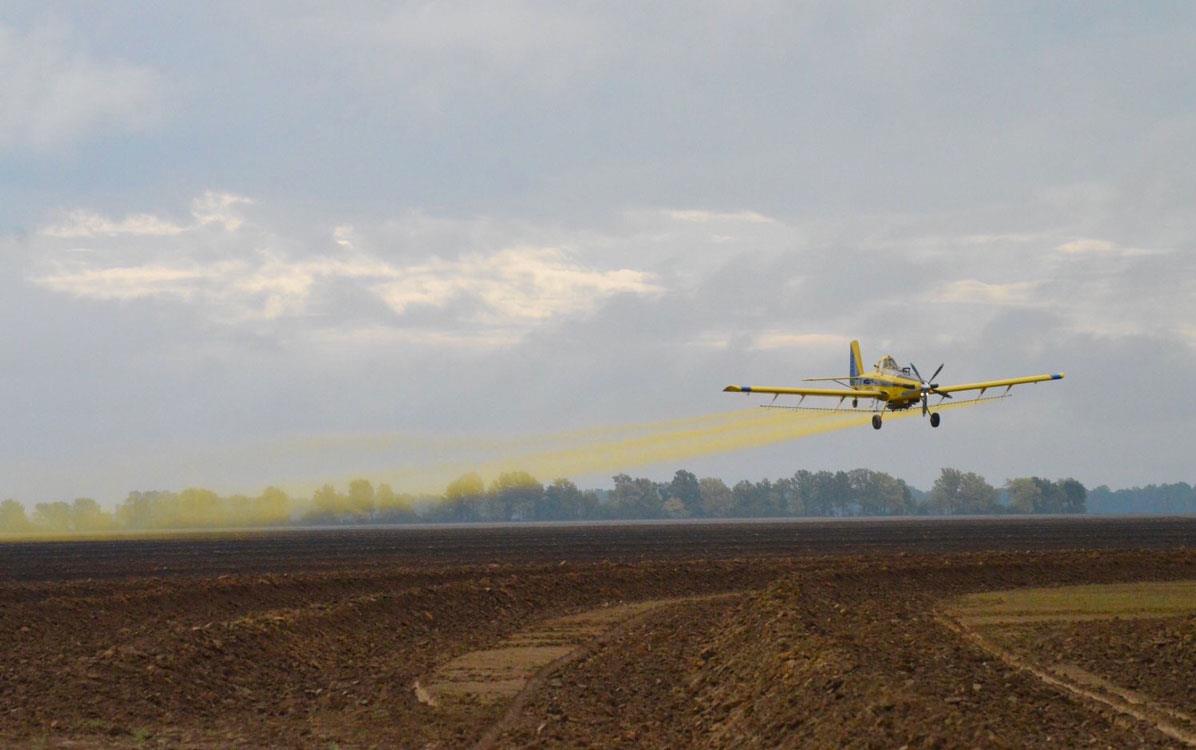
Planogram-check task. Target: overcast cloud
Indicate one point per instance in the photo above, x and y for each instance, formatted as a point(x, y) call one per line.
point(225, 225)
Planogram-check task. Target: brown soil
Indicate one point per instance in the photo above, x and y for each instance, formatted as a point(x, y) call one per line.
point(1154, 657)
point(504, 670)
point(305, 659)
point(819, 651)
point(846, 655)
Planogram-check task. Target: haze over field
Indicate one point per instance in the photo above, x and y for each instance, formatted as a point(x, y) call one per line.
point(228, 230)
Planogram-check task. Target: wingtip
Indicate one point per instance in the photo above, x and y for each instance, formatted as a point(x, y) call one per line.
point(732, 389)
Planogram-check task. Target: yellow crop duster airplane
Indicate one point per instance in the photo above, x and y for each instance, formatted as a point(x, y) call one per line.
point(890, 387)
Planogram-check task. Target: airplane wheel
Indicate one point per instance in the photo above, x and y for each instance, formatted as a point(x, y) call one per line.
point(876, 421)
point(934, 420)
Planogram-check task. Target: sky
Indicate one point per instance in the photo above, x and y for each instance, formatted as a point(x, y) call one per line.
point(228, 227)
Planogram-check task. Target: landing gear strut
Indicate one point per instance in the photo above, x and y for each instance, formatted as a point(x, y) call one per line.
point(876, 421)
point(935, 419)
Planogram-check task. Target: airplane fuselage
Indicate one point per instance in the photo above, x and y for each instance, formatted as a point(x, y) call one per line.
point(898, 391)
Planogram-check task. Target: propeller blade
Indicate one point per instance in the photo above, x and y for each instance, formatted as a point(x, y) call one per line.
point(925, 403)
point(915, 368)
point(936, 373)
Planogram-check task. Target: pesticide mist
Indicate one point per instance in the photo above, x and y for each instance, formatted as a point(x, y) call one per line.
point(417, 475)
point(426, 465)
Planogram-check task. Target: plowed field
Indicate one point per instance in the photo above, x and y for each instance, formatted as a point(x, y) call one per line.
point(703, 635)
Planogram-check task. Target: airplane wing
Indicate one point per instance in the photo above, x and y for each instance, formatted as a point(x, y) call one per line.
point(832, 392)
point(1006, 383)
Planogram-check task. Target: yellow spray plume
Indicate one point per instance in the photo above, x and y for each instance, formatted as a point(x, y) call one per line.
point(615, 448)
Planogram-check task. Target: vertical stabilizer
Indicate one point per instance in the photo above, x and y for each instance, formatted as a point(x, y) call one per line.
point(857, 362)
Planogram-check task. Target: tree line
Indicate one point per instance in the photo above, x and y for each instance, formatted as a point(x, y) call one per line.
point(518, 496)
point(1157, 499)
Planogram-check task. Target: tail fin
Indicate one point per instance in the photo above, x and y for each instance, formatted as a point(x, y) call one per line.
point(857, 362)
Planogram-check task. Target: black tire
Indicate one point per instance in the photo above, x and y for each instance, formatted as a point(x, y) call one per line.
point(876, 423)
point(935, 419)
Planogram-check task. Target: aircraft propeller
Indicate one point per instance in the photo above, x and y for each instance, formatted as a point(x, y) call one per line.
point(928, 387)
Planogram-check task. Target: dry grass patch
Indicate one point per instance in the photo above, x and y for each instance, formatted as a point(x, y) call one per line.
point(1073, 603)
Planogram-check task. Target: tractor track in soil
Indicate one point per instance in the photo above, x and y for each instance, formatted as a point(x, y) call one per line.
point(1088, 687)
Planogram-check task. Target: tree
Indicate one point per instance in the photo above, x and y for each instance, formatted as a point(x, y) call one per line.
point(1074, 496)
point(765, 500)
point(328, 504)
point(148, 510)
point(824, 493)
point(393, 507)
point(1025, 495)
point(686, 490)
point(838, 487)
point(272, 507)
point(87, 515)
point(1038, 495)
point(13, 519)
point(788, 496)
point(198, 507)
point(752, 500)
point(674, 508)
point(562, 501)
point(463, 498)
point(879, 494)
point(1165, 498)
point(236, 510)
point(591, 505)
point(636, 498)
point(515, 496)
point(961, 493)
point(54, 517)
point(945, 496)
point(717, 500)
point(361, 498)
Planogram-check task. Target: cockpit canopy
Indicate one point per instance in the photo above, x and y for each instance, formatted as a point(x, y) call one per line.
point(887, 363)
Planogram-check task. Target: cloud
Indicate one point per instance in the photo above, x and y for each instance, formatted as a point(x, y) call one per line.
point(704, 217)
point(244, 273)
point(484, 282)
point(79, 224)
point(789, 340)
point(53, 93)
point(132, 282)
point(214, 208)
point(772, 340)
point(1104, 248)
point(516, 284)
point(973, 291)
point(374, 337)
point(220, 209)
point(1086, 246)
